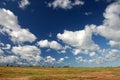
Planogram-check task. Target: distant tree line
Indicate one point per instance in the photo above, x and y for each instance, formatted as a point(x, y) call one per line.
point(42, 66)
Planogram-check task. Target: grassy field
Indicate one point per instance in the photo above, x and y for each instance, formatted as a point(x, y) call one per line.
point(37, 73)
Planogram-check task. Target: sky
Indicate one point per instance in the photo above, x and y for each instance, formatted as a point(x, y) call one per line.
point(76, 33)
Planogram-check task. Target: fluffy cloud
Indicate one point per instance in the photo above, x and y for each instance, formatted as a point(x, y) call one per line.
point(22, 35)
point(64, 49)
point(80, 59)
point(114, 44)
point(61, 60)
point(9, 24)
point(9, 60)
point(5, 46)
point(81, 39)
point(92, 54)
point(107, 55)
point(53, 44)
point(27, 52)
point(24, 3)
point(50, 60)
point(1, 52)
point(43, 43)
point(111, 28)
point(65, 4)
point(113, 55)
point(76, 51)
point(8, 19)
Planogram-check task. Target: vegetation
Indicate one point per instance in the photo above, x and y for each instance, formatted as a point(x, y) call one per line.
point(65, 73)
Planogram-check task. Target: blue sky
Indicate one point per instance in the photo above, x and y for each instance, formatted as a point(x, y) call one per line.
point(79, 33)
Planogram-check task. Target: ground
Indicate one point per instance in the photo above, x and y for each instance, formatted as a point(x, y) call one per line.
point(38, 73)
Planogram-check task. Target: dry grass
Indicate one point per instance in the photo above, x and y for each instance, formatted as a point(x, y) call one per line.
point(36, 73)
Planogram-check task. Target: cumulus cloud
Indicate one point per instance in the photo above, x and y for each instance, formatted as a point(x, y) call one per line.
point(92, 54)
point(76, 51)
point(43, 43)
point(50, 59)
point(64, 49)
point(24, 3)
point(55, 45)
point(22, 35)
point(6, 47)
point(81, 39)
point(65, 4)
point(110, 28)
point(80, 59)
point(9, 60)
point(107, 55)
point(61, 60)
point(9, 24)
point(29, 53)
point(49, 44)
point(1, 52)
point(114, 44)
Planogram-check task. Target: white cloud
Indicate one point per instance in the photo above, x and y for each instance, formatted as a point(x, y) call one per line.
point(83, 43)
point(107, 55)
point(1, 52)
point(1, 44)
point(111, 28)
point(55, 45)
point(29, 53)
point(76, 51)
point(22, 35)
point(65, 4)
point(9, 60)
point(43, 43)
point(26, 50)
point(9, 24)
point(114, 44)
point(81, 39)
point(113, 55)
point(6, 47)
point(49, 44)
point(24, 3)
point(61, 60)
point(64, 49)
point(8, 19)
point(80, 59)
point(50, 60)
point(92, 54)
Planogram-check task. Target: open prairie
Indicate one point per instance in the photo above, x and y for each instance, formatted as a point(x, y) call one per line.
point(38, 73)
